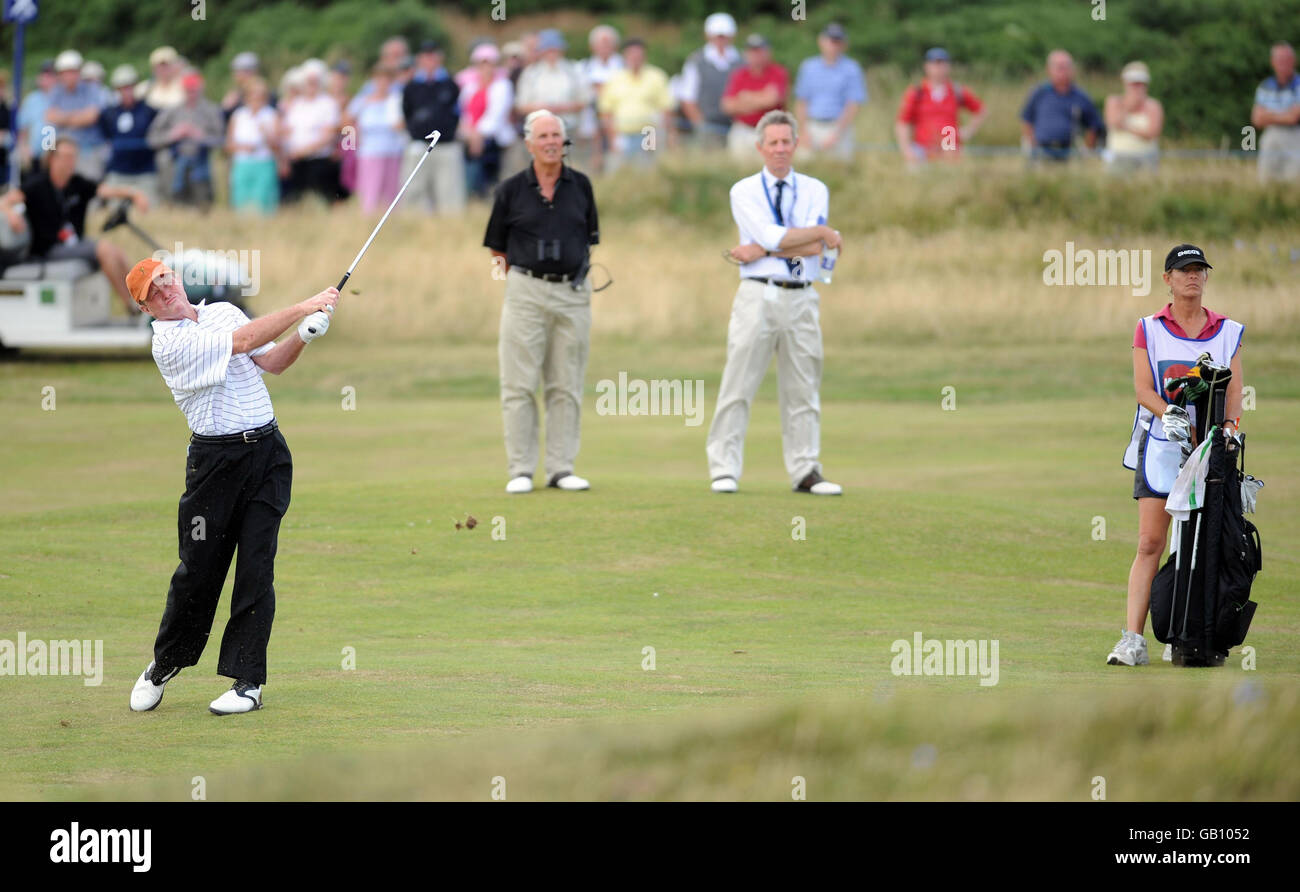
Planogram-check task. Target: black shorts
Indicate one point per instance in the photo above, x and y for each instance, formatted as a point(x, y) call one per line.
point(1140, 488)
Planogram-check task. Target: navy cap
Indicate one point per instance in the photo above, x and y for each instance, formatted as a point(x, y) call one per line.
point(1185, 255)
point(47, 65)
point(430, 46)
point(756, 42)
point(835, 31)
point(937, 54)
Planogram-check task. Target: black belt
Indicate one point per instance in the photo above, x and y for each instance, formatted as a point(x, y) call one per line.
point(545, 277)
point(779, 283)
point(243, 437)
point(1056, 144)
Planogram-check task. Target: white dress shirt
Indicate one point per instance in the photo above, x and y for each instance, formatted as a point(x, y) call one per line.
point(219, 393)
point(805, 201)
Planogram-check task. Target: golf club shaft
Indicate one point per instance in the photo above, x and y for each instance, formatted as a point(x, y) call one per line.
point(380, 225)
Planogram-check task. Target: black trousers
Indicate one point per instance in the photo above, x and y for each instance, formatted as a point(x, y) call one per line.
point(235, 496)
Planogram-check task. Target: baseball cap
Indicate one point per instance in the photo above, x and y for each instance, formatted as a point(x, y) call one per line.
point(68, 60)
point(835, 31)
point(550, 39)
point(47, 65)
point(430, 46)
point(142, 275)
point(1185, 255)
point(937, 54)
point(512, 49)
point(92, 71)
point(244, 61)
point(123, 76)
point(1136, 73)
point(756, 42)
point(164, 55)
point(720, 24)
point(192, 81)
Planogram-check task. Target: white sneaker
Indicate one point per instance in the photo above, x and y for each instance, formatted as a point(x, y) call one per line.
point(242, 697)
point(724, 484)
point(1168, 655)
point(1130, 651)
point(520, 484)
point(146, 695)
point(569, 483)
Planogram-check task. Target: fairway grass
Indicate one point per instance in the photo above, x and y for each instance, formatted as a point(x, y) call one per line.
point(524, 656)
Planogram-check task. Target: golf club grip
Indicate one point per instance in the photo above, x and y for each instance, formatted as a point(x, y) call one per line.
point(343, 281)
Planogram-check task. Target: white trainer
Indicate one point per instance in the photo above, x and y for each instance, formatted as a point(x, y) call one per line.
point(570, 483)
point(1130, 651)
point(242, 697)
point(520, 484)
point(146, 695)
point(1168, 655)
point(724, 484)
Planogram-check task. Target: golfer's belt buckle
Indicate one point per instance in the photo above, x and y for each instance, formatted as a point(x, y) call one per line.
point(252, 436)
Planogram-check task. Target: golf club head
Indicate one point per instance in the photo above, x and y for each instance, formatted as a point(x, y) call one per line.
point(118, 217)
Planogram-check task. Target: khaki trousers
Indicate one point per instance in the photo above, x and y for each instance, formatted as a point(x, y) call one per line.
point(440, 184)
point(766, 319)
point(545, 333)
point(1279, 154)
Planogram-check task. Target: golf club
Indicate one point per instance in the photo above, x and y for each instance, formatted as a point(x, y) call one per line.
point(433, 141)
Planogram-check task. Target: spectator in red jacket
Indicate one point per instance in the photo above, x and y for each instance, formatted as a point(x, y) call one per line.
point(927, 126)
point(753, 90)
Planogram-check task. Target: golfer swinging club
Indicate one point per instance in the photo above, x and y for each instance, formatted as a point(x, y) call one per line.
point(237, 476)
point(1165, 346)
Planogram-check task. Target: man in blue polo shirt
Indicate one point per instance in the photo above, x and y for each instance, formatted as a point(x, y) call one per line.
point(125, 125)
point(1277, 111)
point(1057, 110)
point(74, 112)
point(828, 91)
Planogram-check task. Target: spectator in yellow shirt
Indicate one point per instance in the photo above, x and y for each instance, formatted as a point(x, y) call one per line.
point(633, 106)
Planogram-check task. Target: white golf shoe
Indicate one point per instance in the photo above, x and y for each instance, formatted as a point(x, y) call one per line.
point(569, 483)
point(1168, 655)
point(724, 484)
point(1130, 651)
point(520, 484)
point(146, 695)
point(242, 697)
point(815, 484)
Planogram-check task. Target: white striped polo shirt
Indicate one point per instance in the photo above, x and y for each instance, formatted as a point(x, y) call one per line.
point(219, 393)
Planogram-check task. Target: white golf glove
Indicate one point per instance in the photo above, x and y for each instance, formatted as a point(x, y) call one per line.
point(312, 327)
point(1177, 424)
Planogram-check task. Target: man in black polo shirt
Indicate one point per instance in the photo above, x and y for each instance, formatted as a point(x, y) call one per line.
point(429, 102)
point(542, 227)
point(57, 198)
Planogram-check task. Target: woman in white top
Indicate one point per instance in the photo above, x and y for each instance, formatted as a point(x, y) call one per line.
point(1134, 122)
point(1165, 346)
point(251, 143)
point(486, 96)
point(381, 140)
point(310, 131)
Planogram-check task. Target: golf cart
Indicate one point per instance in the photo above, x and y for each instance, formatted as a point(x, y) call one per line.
point(67, 304)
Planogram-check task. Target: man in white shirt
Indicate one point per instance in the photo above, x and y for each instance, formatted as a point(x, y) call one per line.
point(238, 473)
point(782, 217)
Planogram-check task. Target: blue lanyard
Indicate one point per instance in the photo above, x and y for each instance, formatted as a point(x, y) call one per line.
point(794, 197)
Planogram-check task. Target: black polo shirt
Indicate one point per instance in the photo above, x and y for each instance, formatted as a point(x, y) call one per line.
point(540, 235)
point(50, 209)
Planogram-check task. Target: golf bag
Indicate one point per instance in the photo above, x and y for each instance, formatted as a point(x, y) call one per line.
point(1200, 598)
